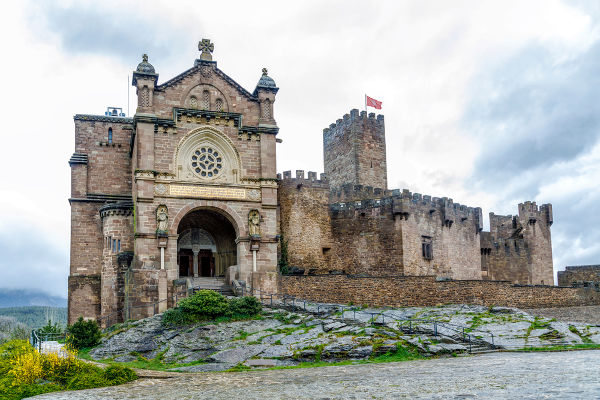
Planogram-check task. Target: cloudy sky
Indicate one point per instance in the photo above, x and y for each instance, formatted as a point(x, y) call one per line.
point(490, 103)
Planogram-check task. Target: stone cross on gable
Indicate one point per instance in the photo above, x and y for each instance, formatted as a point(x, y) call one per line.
point(206, 47)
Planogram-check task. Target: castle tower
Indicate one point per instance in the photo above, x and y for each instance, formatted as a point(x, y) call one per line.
point(536, 222)
point(354, 151)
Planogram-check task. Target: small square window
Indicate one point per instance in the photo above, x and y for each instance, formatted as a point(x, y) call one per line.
point(427, 251)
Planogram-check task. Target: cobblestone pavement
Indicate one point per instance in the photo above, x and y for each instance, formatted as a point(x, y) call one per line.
point(583, 314)
point(560, 375)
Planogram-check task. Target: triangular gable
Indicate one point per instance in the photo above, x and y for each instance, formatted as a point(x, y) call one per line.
point(196, 69)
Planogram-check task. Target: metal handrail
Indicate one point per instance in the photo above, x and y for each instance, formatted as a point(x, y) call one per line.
point(36, 339)
point(464, 333)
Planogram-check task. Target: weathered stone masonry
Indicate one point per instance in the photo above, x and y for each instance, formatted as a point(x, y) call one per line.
point(409, 291)
point(202, 149)
point(188, 188)
point(580, 276)
point(344, 223)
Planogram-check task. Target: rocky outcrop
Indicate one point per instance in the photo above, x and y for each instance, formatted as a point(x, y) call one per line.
point(290, 336)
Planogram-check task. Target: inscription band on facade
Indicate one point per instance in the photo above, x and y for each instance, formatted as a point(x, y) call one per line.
point(207, 192)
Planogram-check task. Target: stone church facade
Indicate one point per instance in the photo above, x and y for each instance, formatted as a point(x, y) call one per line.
point(188, 188)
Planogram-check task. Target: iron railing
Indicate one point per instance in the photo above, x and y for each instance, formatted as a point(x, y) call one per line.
point(465, 334)
point(39, 339)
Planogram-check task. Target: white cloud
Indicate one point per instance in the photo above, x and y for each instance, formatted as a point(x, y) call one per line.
point(417, 57)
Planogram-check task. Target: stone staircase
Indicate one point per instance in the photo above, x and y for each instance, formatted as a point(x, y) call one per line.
point(217, 284)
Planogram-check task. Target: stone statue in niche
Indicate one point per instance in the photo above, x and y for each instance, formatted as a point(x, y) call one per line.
point(162, 219)
point(254, 223)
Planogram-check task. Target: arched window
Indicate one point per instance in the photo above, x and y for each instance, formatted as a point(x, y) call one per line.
point(109, 135)
point(219, 105)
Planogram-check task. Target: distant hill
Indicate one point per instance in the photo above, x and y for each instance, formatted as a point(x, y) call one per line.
point(27, 297)
point(37, 316)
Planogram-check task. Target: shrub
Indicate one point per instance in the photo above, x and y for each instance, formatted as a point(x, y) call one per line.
point(176, 316)
point(245, 306)
point(205, 303)
point(118, 374)
point(25, 372)
point(83, 334)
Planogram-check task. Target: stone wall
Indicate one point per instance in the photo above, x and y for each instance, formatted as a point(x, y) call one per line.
point(505, 259)
point(109, 164)
point(304, 220)
point(411, 291)
point(84, 297)
point(580, 275)
point(452, 230)
point(117, 227)
point(100, 174)
point(519, 248)
point(367, 238)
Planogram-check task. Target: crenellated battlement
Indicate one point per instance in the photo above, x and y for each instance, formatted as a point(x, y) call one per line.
point(299, 180)
point(348, 120)
point(403, 202)
point(530, 212)
point(354, 150)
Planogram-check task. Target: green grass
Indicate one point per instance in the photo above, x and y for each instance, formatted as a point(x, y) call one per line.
point(156, 364)
point(537, 323)
point(242, 335)
point(584, 337)
point(402, 354)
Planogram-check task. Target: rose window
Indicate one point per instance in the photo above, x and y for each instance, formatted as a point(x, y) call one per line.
point(207, 162)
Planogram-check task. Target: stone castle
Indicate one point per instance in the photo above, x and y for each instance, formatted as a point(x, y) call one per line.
point(188, 188)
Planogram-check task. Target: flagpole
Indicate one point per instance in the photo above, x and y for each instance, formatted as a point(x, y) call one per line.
point(366, 104)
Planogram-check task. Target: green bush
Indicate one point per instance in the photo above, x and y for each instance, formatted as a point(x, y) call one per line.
point(245, 306)
point(176, 316)
point(118, 374)
point(205, 303)
point(24, 372)
point(83, 334)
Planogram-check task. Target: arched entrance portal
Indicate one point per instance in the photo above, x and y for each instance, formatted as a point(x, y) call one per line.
point(206, 244)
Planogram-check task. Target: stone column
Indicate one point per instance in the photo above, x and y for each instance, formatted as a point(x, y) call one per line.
point(196, 250)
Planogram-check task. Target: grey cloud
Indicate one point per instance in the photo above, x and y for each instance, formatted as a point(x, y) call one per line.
point(533, 115)
point(111, 30)
point(532, 112)
point(30, 261)
point(577, 221)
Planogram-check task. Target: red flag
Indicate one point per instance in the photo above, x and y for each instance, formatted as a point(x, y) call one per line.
point(373, 103)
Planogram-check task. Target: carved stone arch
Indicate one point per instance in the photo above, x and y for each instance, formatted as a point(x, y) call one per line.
point(226, 164)
point(197, 93)
point(214, 205)
point(203, 239)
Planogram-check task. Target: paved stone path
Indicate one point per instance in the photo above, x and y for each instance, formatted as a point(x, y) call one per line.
point(561, 375)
